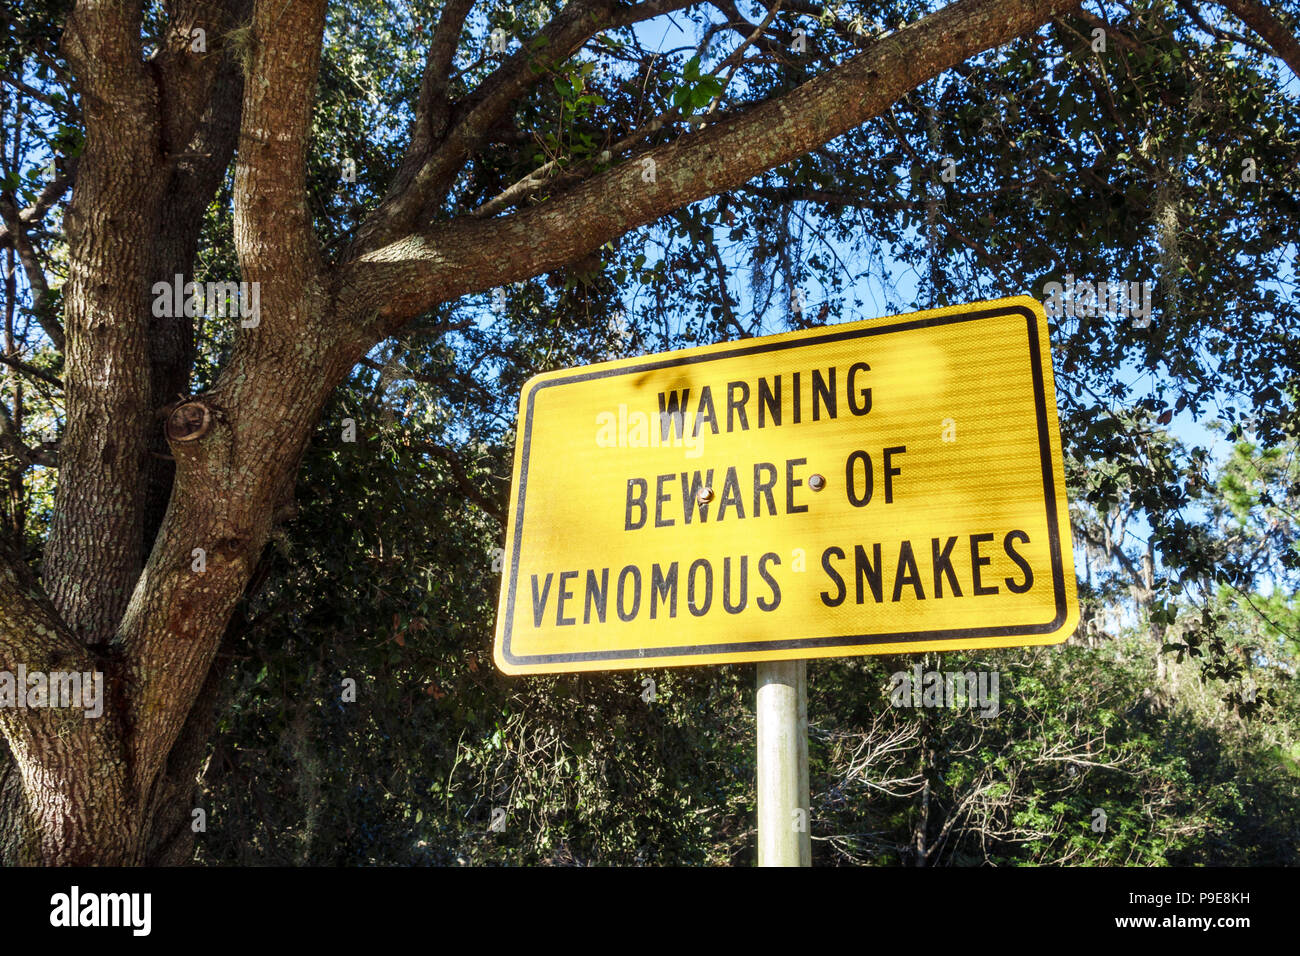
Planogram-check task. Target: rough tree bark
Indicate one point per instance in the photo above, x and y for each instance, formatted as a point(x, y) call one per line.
point(118, 593)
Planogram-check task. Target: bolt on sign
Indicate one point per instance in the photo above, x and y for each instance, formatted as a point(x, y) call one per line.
point(878, 487)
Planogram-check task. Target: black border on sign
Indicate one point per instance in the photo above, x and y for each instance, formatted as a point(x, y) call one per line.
point(650, 654)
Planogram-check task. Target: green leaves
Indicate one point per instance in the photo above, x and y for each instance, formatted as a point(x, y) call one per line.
point(696, 91)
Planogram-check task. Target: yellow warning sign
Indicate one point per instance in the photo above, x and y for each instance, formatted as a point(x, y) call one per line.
point(877, 487)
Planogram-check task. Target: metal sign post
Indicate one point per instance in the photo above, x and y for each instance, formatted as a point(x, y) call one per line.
point(783, 812)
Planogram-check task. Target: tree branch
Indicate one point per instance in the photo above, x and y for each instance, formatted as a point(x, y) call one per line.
point(541, 177)
point(834, 197)
point(273, 227)
point(31, 632)
point(10, 440)
point(52, 192)
point(52, 746)
point(32, 370)
point(35, 274)
point(185, 75)
point(63, 108)
point(432, 111)
point(434, 108)
point(1275, 33)
point(102, 44)
point(88, 574)
point(445, 261)
point(193, 179)
point(1218, 33)
point(414, 196)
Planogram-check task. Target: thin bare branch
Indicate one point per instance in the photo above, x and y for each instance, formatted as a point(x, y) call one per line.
point(32, 370)
point(35, 273)
point(50, 194)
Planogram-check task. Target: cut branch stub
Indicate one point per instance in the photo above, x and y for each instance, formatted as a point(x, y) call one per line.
point(188, 422)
